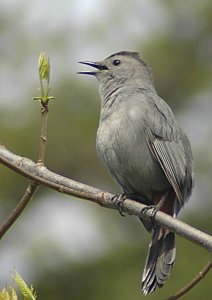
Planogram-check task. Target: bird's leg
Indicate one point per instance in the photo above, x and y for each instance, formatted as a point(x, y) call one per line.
point(155, 208)
point(119, 200)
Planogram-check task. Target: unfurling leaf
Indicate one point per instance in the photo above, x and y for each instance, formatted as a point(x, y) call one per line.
point(27, 292)
point(44, 67)
point(4, 295)
point(13, 295)
point(44, 74)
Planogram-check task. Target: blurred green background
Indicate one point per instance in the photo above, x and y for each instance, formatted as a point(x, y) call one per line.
point(69, 248)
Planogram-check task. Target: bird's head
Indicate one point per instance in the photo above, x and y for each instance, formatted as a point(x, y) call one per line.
point(120, 67)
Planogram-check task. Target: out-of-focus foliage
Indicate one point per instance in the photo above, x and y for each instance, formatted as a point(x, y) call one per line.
point(117, 276)
point(8, 295)
point(179, 52)
point(28, 293)
point(182, 57)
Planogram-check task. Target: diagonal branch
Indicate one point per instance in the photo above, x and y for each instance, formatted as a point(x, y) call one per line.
point(42, 175)
point(193, 283)
point(30, 191)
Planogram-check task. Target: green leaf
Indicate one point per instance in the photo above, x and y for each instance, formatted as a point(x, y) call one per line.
point(44, 74)
point(27, 292)
point(44, 66)
point(4, 295)
point(13, 295)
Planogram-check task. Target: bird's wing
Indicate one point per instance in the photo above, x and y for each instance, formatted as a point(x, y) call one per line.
point(170, 147)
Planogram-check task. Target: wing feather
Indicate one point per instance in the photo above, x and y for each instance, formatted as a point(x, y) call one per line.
point(171, 148)
point(171, 162)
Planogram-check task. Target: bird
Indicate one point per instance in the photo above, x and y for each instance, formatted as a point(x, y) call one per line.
point(146, 151)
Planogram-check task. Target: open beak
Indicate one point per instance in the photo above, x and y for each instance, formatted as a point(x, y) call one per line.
point(96, 65)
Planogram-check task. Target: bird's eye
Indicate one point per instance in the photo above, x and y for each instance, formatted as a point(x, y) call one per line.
point(116, 62)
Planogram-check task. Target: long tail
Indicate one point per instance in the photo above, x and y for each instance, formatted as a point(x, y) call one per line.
point(160, 260)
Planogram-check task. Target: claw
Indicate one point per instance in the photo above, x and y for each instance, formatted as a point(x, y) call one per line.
point(119, 200)
point(154, 209)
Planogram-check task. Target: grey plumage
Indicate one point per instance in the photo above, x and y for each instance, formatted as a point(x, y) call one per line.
point(145, 150)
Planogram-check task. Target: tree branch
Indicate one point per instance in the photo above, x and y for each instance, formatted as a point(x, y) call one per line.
point(30, 191)
point(42, 175)
point(44, 73)
point(43, 135)
point(33, 185)
point(193, 283)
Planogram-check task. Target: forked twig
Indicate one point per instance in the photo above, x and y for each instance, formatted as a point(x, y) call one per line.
point(33, 185)
point(27, 168)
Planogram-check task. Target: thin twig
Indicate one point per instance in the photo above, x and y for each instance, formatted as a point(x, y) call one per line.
point(43, 136)
point(33, 185)
point(30, 191)
point(42, 175)
point(193, 283)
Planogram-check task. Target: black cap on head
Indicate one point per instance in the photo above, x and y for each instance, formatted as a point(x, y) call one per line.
point(129, 54)
point(126, 53)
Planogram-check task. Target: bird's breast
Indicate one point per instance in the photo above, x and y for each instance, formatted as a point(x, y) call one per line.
point(122, 146)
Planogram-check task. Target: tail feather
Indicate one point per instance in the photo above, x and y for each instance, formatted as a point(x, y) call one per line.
point(159, 261)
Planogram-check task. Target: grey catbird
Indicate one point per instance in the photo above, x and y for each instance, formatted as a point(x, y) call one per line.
point(145, 150)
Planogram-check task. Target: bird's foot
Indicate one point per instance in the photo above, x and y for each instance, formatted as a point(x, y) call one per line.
point(119, 200)
point(155, 209)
